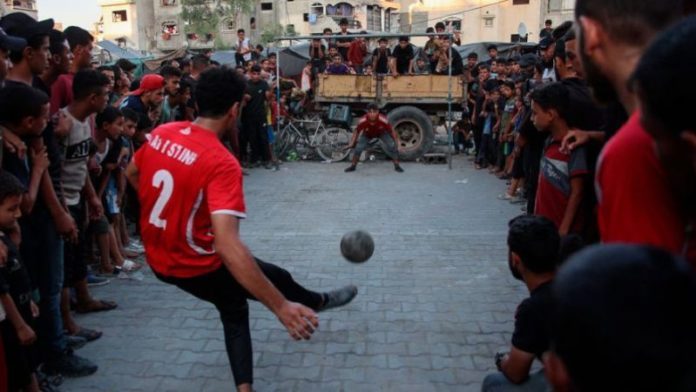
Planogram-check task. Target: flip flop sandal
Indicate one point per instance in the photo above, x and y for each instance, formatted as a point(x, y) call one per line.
point(88, 334)
point(102, 307)
point(130, 266)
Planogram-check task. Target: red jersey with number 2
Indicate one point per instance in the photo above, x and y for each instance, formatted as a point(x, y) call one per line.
point(186, 175)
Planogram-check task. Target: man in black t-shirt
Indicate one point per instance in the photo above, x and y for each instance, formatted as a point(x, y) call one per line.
point(380, 58)
point(343, 44)
point(253, 132)
point(533, 243)
point(403, 55)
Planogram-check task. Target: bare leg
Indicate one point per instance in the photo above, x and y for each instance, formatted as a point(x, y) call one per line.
point(103, 243)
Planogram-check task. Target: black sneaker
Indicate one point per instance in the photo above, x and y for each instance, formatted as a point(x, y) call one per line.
point(70, 365)
point(398, 169)
point(338, 297)
point(350, 168)
point(75, 342)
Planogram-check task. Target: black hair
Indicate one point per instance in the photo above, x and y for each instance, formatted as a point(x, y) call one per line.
point(472, 55)
point(9, 186)
point(35, 42)
point(620, 311)
point(183, 85)
point(218, 89)
point(241, 31)
point(259, 47)
point(20, 101)
point(130, 114)
point(548, 21)
point(215, 63)
point(78, 36)
point(169, 71)
point(553, 96)
point(255, 68)
point(272, 55)
point(561, 30)
point(560, 50)
point(569, 36)
point(439, 25)
point(125, 65)
point(328, 29)
point(183, 63)
point(57, 42)
point(429, 30)
point(633, 22)
point(200, 60)
point(484, 66)
point(87, 82)
point(343, 21)
point(492, 47)
point(108, 115)
point(509, 84)
point(664, 75)
point(103, 68)
point(535, 240)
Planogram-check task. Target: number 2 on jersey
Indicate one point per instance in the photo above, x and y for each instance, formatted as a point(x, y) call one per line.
point(164, 181)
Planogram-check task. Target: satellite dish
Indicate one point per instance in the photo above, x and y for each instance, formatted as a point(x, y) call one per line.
point(522, 29)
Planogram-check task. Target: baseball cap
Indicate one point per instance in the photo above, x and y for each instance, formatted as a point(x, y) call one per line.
point(24, 26)
point(545, 43)
point(148, 83)
point(528, 60)
point(12, 43)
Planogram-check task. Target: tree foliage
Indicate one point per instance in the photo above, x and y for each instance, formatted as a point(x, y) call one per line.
point(204, 16)
point(271, 32)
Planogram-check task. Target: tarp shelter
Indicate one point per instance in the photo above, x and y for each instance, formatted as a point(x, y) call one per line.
point(292, 59)
point(505, 49)
point(115, 53)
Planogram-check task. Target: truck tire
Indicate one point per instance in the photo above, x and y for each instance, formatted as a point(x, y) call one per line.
point(415, 131)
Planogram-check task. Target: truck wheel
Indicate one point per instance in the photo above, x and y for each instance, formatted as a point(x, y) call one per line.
point(415, 131)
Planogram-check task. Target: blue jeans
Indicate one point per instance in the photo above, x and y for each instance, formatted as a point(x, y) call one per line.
point(388, 144)
point(45, 246)
point(497, 382)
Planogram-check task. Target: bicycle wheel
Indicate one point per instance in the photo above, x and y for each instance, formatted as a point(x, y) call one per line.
point(283, 142)
point(331, 142)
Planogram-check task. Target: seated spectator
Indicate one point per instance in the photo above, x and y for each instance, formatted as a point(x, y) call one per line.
point(443, 61)
point(317, 53)
point(431, 45)
point(623, 322)
point(380, 58)
point(357, 53)
point(533, 243)
point(338, 68)
point(563, 177)
point(402, 57)
point(367, 71)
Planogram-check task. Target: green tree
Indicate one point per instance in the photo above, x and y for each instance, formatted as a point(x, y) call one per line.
point(271, 32)
point(202, 17)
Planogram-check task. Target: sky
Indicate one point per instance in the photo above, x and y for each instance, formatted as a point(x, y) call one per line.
point(83, 13)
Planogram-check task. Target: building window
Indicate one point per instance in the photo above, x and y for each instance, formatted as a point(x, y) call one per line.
point(305, 17)
point(266, 6)
point(169, 2)
point(23, 4)
point(454, 23)
point(520, 2)
point(488, 22)
point(119, 16)
point(316, 9)
point(554, 5)
point(229, 25)
point(170, 27)
point(340, 11)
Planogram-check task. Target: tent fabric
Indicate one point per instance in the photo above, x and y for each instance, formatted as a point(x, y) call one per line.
point(118, 52)
point(155, 63)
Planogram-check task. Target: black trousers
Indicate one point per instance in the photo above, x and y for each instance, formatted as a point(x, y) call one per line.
point(255, 135)
point(229, 297)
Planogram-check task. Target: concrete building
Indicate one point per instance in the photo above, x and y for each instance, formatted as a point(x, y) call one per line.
point(26, 6)
point(125, 22)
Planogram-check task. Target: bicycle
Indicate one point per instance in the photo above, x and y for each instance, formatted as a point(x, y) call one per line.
point(329, 143)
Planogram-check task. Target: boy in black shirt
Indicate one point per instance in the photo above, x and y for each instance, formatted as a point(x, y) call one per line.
point(15, 293)
point(380, 58)
point(533, 243)
point(403, 57)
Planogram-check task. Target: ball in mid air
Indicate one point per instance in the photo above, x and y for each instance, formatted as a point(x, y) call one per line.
point(357, 246)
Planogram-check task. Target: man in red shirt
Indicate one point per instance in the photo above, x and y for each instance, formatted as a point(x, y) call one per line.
point(356, 53)
point(635, 202)
point(81, 44)
point(190, 192)
point(374, 126)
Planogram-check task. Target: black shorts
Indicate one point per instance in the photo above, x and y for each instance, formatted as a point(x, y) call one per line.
point(75, 268)
point(20, 360)
point(518, 168)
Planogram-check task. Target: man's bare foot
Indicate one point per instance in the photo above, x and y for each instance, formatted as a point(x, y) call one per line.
point(95, 305)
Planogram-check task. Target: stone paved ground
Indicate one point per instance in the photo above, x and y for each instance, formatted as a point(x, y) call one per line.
point(436, 300)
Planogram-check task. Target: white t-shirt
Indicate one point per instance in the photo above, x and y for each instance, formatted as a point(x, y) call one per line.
point(76, 152)
point(245, 44)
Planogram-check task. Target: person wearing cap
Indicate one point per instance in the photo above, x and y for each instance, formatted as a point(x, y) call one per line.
point(380, 58)
point(547, 49)
point(374, 125)
point(343, 44)
point(402, 57)
point(147, 99)
point(8, 43)
point(81, 44)
point(31, 60)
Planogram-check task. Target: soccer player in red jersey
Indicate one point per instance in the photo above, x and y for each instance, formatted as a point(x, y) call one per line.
point(374, 126)
point(190, 192)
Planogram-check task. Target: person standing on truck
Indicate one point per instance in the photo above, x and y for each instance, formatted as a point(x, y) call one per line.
point(374, 125)
point(380, 58)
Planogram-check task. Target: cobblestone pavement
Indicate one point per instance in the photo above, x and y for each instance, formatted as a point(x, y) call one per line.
point(435, 302)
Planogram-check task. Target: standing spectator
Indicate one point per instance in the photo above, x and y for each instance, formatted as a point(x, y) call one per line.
point(253, 133)
point(357, 53)
point(492, 54)
point(172, 79)
point(533, 243)
point(547, 48)
point(489, 116)
point(403, 56)
point(563, 177)
point(199, 63)
point(547, 30)
point(430, 46)
point(444, 60)
point(81, 44)
point(380, 58)
point(59, 62)
point(147, 99)
point(317, 54)
point(242, 48)
point(343, 44)
point(328, 42)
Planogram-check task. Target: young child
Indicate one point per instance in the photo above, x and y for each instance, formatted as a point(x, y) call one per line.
point(490, 116)
point(562, 176)
point(17, 330)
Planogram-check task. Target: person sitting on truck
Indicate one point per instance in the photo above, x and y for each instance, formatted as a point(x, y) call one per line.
point(420, 67)
point(402, 57)
point(442, 56)
point(337, 67)
point(374, 125)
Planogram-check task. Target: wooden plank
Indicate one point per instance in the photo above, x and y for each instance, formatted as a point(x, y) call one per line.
point(346, 86)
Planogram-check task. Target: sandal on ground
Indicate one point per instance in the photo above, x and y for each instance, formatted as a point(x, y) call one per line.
point(97, 305)
point(88, 334)
point(130, 266)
